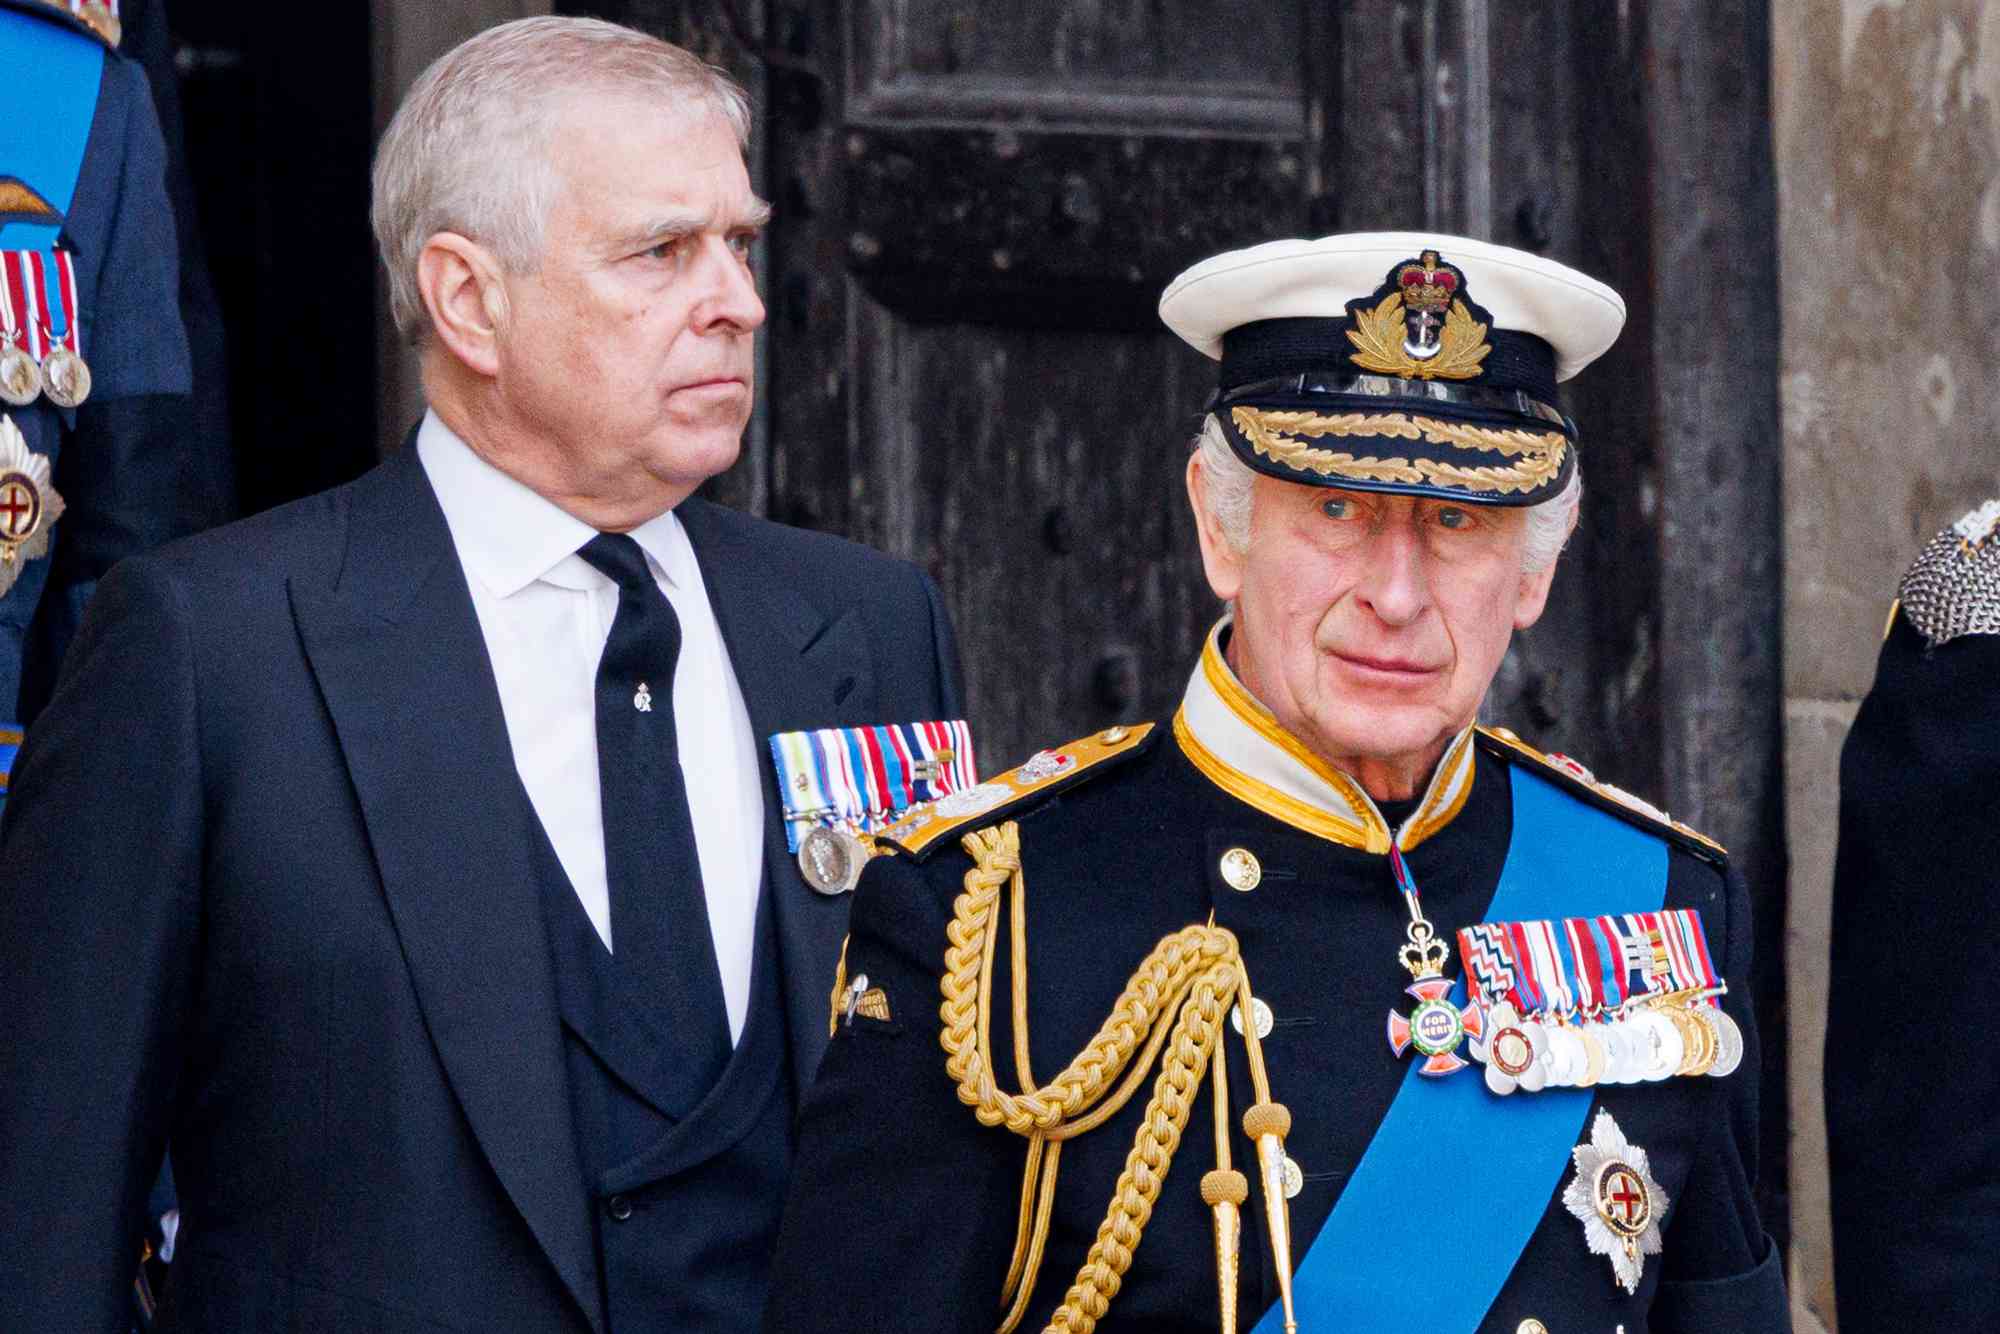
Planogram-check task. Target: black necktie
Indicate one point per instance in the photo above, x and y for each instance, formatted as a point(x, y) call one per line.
point(659, 916)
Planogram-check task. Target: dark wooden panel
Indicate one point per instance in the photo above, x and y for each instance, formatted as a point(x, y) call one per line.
point(1087, 64)
point(1381, 99)
point(1053, 230)
point(1054, 165)
point(1523, 119)
point(1715, 351)
point(1040, 481)
point(1620, 537)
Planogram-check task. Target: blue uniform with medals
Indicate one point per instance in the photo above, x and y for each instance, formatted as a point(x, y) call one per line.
point(100, 419)
point(907, 1211)
point(1174, 1028)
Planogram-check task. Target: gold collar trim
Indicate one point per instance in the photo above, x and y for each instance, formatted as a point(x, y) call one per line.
point(1239, 746)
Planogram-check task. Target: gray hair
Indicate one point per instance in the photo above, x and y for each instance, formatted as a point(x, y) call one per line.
point(1228, 490)
point(469, 149)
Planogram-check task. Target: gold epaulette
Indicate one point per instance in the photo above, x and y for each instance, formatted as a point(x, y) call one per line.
point(923, 826)
point(1574, 777)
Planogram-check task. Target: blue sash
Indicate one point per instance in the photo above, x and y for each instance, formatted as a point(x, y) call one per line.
point(47, 103)
point(1369, 1268)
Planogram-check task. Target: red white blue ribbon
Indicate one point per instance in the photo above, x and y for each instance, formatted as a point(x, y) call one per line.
point(864, 778)
point(38, 301)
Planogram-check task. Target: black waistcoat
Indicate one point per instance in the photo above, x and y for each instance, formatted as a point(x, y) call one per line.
point(688, 1183)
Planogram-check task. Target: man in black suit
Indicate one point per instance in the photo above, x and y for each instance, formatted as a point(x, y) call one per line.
point(409, 857)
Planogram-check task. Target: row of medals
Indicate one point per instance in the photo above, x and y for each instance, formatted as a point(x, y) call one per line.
point(1655, 1039)
point(62, 375)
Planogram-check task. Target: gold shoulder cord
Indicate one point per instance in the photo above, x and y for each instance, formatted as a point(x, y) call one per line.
point(1174, 1002)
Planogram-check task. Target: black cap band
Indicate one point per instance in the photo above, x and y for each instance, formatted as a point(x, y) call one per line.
point(1267, 349)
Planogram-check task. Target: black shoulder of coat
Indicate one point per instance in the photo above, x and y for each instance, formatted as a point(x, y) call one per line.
point(1573, 778)
point(924, 829)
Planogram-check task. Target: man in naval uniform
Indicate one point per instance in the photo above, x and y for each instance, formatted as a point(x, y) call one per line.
point(1914, 1162)
point(98, 428)
point(410, 858)
point(1170, 1028)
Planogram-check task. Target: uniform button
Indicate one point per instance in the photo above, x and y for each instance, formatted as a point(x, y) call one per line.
point(1240, 870)
point(1531, 1326)
point(1265, 1019)
point(1111, 736)
point(619, 1208)
point(1295, 1178)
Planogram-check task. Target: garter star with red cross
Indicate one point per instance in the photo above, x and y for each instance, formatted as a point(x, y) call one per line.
point(1614, 1196)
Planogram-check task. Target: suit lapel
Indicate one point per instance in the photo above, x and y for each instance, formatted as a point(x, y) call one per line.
point(402, 665)
point(798, 666)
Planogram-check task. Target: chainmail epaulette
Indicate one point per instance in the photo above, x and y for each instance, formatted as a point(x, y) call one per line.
point(1954, 587)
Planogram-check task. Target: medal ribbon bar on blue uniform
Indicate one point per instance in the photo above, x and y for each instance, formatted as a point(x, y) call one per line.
point(1565, 857)
point(10, 746)
point(864, 778)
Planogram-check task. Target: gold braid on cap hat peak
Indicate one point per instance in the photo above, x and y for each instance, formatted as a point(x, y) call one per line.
point(1171, 1009)
point(1274, 434)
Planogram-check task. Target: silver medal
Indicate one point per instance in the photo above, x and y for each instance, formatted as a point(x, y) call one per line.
point(20, 377)
point(1566, 1058)
point(65, 377)
point(831, 860)
point(1728, 1044)
point(1664, 1050)
point(1617, 1041)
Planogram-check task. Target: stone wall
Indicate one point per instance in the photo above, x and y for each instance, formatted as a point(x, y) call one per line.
point(1887, 129)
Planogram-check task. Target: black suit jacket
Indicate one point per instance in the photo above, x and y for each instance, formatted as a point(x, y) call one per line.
point(271, 896)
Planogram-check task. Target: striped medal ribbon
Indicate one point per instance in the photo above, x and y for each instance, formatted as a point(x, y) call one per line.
point(840, 784)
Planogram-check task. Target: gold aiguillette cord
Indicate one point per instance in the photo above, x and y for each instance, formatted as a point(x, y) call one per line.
point(1171, 1011)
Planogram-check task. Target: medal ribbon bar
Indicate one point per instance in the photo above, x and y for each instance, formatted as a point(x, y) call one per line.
point(862, 779)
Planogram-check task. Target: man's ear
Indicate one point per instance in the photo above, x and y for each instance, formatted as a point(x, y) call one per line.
point(463, 294)
point(1222, 562)
point(1533, 595)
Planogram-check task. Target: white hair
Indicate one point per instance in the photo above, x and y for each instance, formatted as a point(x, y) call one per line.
point(471, 150)
point(1228, 487)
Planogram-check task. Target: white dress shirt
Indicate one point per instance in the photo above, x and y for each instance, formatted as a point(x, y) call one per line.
point(546, 614)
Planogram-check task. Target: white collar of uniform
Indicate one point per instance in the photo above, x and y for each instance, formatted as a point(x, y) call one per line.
point(508, 536)
point(1241, 748)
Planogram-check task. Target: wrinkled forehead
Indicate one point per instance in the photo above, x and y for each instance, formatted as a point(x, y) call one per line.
point(624, 163)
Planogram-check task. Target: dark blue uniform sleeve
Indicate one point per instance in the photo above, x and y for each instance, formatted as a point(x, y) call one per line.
point(902, 1206)
point(101, 907)
point(1721, 1271)
point(123, 470)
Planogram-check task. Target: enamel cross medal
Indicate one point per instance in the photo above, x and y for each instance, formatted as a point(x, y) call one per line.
point(1436, 1028)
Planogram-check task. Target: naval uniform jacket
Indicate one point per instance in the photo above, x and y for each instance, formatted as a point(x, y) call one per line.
point(903, 1207)
point(276, 894)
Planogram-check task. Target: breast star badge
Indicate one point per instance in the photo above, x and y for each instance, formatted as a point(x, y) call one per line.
point(29, 506)
point(1615, 1197)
